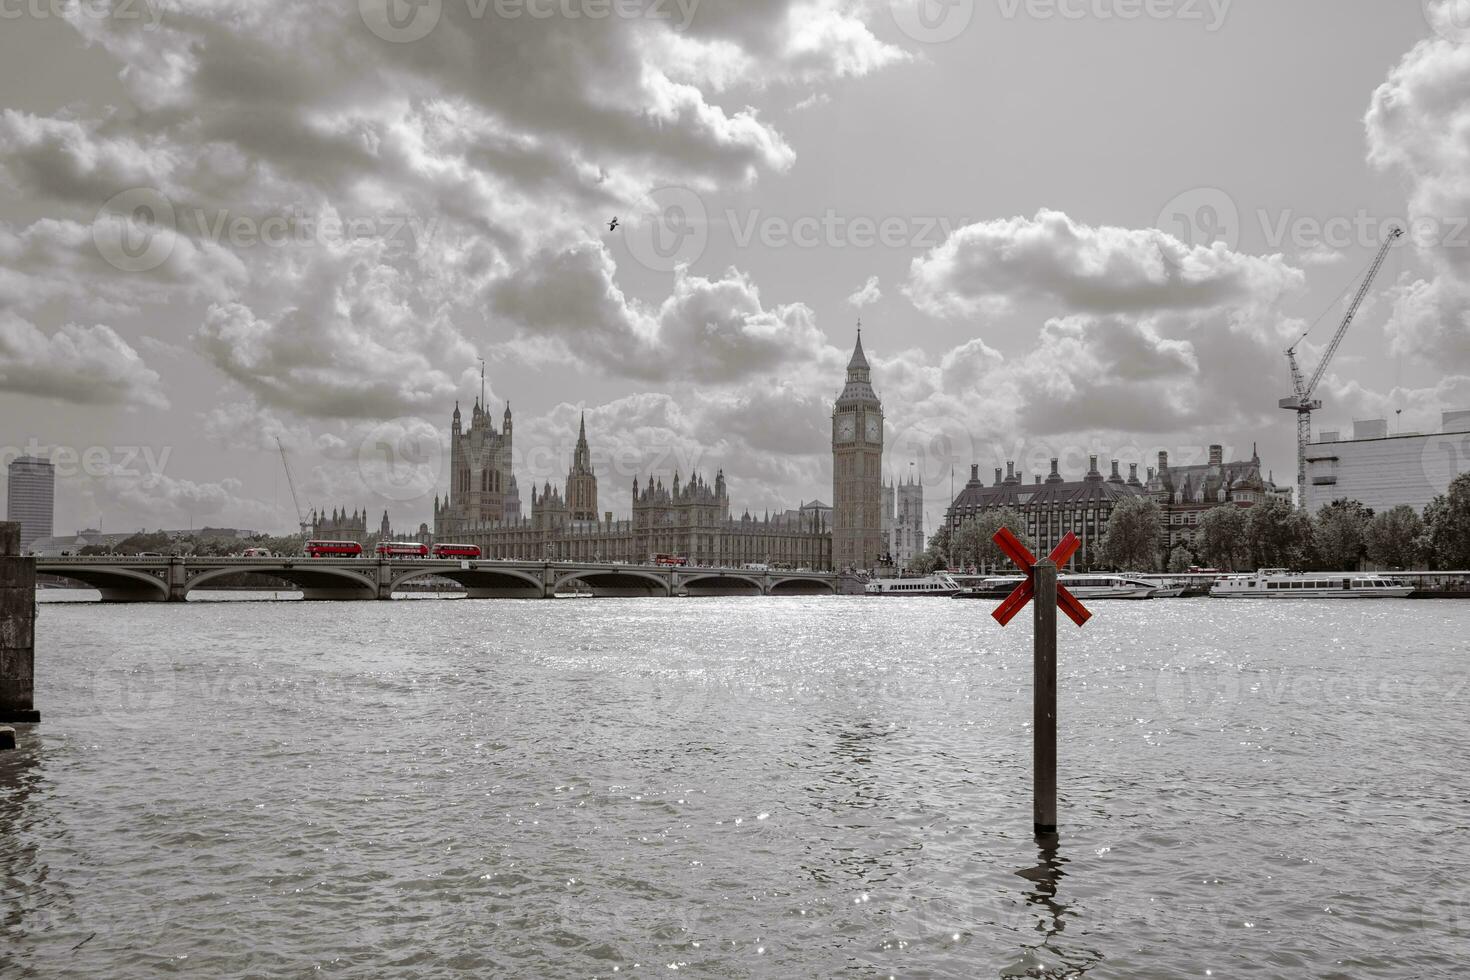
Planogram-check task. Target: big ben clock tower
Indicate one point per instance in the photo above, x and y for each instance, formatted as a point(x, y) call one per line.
point(857, 468)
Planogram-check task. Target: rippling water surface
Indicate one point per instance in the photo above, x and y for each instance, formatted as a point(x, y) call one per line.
point(738, 787)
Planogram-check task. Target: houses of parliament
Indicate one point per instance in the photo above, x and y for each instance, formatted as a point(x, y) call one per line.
point(688, 516)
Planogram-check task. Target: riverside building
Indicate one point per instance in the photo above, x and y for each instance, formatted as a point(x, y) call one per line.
point(1382, 471)
point(1053, 505)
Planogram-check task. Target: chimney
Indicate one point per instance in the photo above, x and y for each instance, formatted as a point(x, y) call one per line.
point(1217, 455)
point(1116, 477)
point(1010, 471)
point(997, 476)
point(1092, 474)
point(1150, 474)
point(1038, 479)
point(974, 472)
point(1055, 476)
point(1133, 475)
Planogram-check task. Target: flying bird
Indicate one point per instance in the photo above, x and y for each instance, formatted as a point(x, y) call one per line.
point(612, 225)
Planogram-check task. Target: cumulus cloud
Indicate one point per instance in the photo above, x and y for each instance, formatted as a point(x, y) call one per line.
point(708, 329)
point(88, 365)
point(771, 440)
point(1431, 320)
point(76, 159)
point(508, 131)
point(1149, 335)
point(989, 266)
point(51, 261)
point(359, 343)
point(1421, 408)
point(1416, 128)
point(869, 294)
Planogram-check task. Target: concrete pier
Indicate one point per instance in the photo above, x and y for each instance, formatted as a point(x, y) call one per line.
point(17, 629)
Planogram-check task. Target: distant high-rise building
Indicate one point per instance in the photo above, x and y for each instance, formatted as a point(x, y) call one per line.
point(31, 499)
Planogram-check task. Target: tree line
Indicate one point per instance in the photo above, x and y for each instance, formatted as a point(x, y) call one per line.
point(202, 545)
point(1341, 536)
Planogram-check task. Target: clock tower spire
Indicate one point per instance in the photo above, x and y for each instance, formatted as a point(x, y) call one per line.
point(857, 468)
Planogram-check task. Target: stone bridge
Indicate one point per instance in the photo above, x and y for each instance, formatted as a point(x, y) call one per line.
point(172, 579)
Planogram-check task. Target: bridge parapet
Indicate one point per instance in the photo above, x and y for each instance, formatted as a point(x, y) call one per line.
point(137, 579)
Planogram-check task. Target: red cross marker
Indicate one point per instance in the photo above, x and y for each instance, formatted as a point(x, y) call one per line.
point(1021, 555)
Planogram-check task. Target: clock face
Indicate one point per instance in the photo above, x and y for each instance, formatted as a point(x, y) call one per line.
point(846, 428)
point(874, 431)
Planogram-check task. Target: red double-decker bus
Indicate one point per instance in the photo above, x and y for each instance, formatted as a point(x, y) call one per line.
point(402, 549)
point(332, 549)
point(456, 551)
point(678, 560)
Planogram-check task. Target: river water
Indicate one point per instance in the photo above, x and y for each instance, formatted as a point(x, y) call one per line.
point(742, 787)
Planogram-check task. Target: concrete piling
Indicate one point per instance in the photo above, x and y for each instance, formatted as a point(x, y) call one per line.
point(1044, 705)
point(17, 629)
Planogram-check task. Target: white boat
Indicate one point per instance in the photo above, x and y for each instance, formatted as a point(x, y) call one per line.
point(1098, 585)
point(937, 584)
point(1278, 583)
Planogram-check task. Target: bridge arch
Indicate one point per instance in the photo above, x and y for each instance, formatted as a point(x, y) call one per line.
point(803, 586)
point(723, 583)
point(116, 583)
point(316, 581)
point(482, 582)
point(618, 582)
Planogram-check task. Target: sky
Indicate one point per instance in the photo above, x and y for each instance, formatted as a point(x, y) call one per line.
point(1069, 227)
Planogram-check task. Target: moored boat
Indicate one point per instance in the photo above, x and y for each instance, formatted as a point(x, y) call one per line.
point(1097, 585)
point(1278, 583)
point(938, 584)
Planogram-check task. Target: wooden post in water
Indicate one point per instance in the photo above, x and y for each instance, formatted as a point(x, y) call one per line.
point(1044, 705)
point(17, 629)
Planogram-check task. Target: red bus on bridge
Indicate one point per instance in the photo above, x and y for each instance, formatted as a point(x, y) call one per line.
point(456, 551)
point(333, 549)
point(402, 549)
point(675, 560)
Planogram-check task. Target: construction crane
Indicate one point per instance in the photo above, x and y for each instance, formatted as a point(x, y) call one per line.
point(301, 520)
point(1302, 402)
